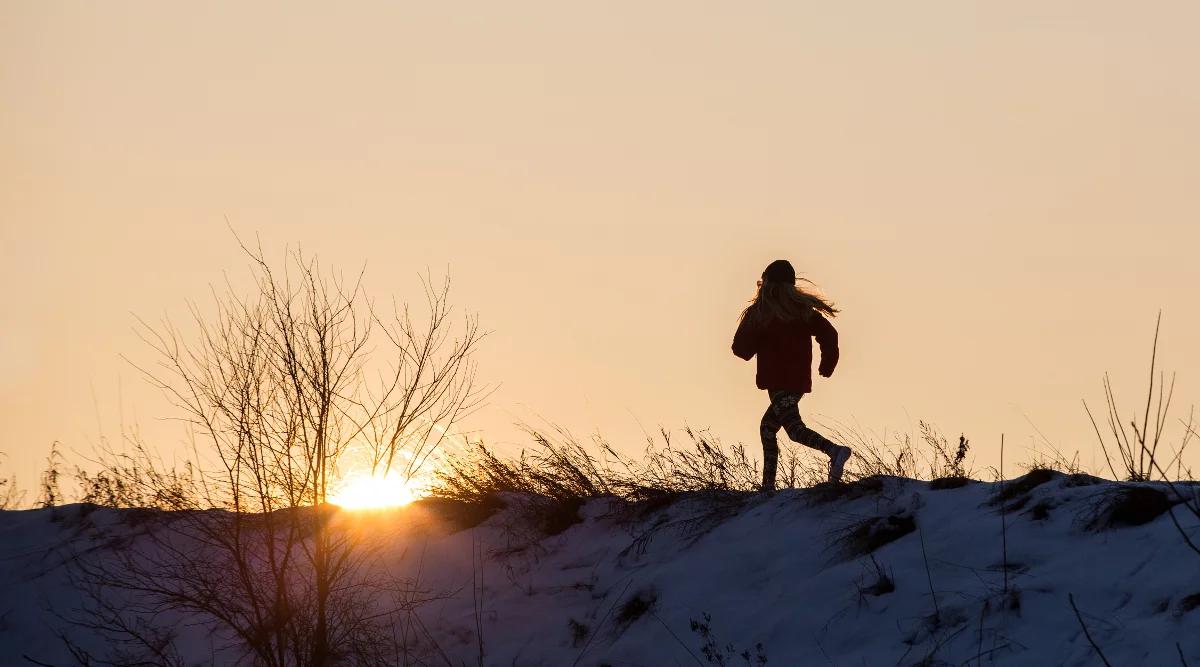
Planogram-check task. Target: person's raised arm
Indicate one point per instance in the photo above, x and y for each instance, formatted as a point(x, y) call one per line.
point(827, 338)
point(745, 341)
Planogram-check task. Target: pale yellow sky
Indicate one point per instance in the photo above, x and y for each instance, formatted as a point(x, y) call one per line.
point(1000, 196)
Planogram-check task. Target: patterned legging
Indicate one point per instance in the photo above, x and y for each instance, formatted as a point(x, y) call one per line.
point(784, 413)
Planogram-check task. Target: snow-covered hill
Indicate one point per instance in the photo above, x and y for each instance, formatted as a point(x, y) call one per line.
point(885, 571)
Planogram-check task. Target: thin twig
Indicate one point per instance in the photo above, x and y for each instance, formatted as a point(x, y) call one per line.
point(601, 624)
point(1071, 599)
point(477, 590)
point(979, 653)
point(937, 612)
point(676, 638)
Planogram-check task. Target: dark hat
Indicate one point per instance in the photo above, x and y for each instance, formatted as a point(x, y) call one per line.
point(779, 271)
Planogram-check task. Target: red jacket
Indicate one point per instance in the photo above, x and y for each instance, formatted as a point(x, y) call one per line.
point(784, 350)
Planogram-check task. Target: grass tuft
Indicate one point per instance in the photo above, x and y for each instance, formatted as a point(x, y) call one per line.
point(637, 606)
point(827, 493)
point(866, 536)
point(1128, 506)
point(1188, 603)
point(952, 482)
point(1017, 489)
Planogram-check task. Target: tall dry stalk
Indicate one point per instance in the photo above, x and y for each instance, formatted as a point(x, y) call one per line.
point(1136, 446)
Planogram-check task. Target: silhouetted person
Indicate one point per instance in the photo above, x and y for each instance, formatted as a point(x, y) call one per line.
point(778, 326)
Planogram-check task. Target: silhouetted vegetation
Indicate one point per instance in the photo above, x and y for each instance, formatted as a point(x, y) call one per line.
point(10, 495)
point(868, 535)
point(50, 494)
point(1014, 494)
point(1127, 506)
point(1136, 447)
point(724, 654)
point(276, 387)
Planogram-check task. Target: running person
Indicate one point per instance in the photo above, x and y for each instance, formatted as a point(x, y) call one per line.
point(779, 326)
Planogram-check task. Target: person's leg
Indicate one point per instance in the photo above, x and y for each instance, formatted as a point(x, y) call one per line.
point(768, 430)
point(787, 412)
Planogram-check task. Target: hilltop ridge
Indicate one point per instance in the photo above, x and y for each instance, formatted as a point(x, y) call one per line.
point(882, 571)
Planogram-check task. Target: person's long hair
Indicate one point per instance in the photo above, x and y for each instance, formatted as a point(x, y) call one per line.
point(787, 301)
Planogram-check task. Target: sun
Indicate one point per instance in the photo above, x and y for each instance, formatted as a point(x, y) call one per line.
point(364, 491)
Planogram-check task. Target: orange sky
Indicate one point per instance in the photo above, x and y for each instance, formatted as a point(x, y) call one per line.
point(999, 195)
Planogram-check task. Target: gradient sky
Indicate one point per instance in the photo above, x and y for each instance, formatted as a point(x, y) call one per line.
point(1000, 195)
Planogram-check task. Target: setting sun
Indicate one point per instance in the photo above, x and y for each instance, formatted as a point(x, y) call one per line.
point(362, 491)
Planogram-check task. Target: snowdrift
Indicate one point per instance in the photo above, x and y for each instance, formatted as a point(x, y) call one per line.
point(884, 571)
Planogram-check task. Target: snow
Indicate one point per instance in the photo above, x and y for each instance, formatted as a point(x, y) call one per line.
point(771, 570)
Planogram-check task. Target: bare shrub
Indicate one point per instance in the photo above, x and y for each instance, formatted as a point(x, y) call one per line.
point(277, 389)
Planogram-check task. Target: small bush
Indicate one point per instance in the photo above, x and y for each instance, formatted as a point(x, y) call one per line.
point(866, 536)
point(1018, 488)
point(635, 607)
point(943, 483)
point(579, 632)
point(1129, 506)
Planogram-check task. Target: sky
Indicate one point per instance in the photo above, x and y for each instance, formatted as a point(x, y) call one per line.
point(999, 195)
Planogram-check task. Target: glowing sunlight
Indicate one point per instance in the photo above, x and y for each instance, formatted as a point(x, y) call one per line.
point(363, 491)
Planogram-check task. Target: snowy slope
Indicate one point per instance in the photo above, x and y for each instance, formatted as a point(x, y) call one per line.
point(623, 585)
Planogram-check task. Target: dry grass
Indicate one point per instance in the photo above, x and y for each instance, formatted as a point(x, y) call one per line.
point(930, 456)
point(10, 497)
point(864, 537)
point(1128, 505)
point(1015, 493)
point(1136, 447)
point(561, 468)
